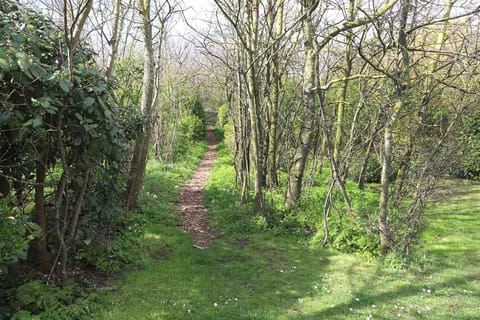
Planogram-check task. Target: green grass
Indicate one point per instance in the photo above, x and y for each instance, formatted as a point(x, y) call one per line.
point(252, 273)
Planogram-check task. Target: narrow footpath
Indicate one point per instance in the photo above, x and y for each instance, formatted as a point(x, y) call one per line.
point(190, 206)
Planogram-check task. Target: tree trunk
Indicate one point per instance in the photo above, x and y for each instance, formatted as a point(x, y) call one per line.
point(254, 105)
point(115, 39)
point(297, 167)
point(342, 96)
point(274, 97)
point(139, 160)
point(401, 83)
point(41, 254)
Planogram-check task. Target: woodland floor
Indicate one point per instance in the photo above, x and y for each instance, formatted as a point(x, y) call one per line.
point(190, 206)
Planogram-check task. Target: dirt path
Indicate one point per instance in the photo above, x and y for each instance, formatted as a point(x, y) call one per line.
point(190, 206)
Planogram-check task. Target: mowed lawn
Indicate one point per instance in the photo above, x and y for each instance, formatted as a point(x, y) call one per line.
point(250, 274)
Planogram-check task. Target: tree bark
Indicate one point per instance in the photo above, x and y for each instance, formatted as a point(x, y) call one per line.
point(342, 96)
point(297, 167)
point(139, 160)
point(254, 104)
point(41, 254)
point(401, 84)
point(115, 39)
point(274, 97)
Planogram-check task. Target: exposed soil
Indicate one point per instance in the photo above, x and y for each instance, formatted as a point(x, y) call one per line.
point(190, 206)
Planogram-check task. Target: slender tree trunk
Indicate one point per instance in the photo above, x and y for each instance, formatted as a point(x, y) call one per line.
point(139, 160)
point(42, 256)
point(254, 105)
point(342, 96)
point(368, 150)
point(297, 167)
point(401, 84)
point(79, 22)
point(274, 97)
point(115, 39)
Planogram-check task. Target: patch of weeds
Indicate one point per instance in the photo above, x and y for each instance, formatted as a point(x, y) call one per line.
point(36, 300)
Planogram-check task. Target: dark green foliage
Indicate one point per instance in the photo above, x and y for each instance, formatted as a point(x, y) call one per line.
point(40, 301)
point(16, 232)
point(195, 107)
point(191, 128)
point(373, 172)
point(468, 164)
point(353, 236)
point(115, 255)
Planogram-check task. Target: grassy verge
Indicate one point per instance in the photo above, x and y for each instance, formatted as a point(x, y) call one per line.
point(254, 273)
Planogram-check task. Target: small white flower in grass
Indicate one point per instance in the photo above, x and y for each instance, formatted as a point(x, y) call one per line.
point(281, 271)
point(236, 299)
point(429, 291)
point(215, 304)
point(374, 306)
point(189, 311)
point(356, 299)
point(351, 309)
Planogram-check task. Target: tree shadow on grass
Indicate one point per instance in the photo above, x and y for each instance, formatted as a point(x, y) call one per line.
point(362, 300)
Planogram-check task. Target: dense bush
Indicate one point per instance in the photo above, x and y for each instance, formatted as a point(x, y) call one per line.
point(63, 139)
point(468, 164)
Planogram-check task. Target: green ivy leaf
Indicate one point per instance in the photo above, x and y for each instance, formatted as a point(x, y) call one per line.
point(88, 103)
point(37, 122)
point(24, 63)
point(5, 116)
point(65, 85)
